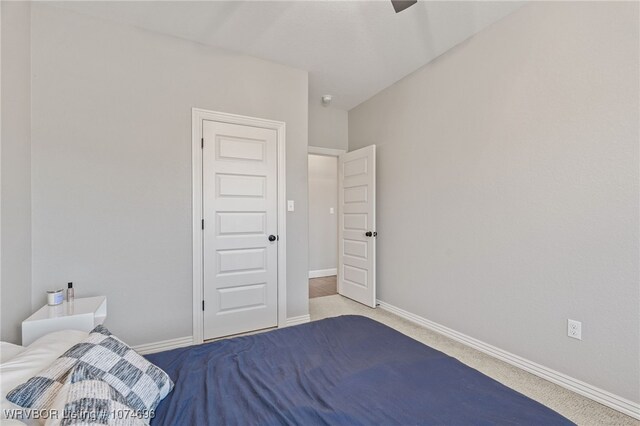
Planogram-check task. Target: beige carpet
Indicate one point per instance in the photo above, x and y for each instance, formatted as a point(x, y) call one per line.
point(571, 405)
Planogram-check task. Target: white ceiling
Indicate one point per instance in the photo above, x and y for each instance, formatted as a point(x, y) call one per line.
point(352, 49)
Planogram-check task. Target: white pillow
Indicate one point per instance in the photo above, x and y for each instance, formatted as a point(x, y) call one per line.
point(9, 350)
point(32, 360)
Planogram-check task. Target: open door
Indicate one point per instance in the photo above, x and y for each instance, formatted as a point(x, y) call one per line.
point(357, 225)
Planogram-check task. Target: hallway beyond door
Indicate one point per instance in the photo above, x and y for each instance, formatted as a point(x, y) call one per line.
point(324, 286)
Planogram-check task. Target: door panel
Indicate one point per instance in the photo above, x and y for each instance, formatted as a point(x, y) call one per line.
point(240, 186)
point(241, 223)
point(229, 148)
point(356, 250)
point(355, 221)
point(356, 194)
point(240, 212)
point(242, 297)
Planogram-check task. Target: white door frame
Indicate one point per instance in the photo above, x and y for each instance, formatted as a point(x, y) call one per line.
point(329, 152)
point(197, 116)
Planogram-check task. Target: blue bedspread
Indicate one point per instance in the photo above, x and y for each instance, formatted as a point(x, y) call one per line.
point(348, 370)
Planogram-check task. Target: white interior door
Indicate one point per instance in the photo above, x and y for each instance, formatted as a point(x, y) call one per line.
point(240, 228)
point(357, 225)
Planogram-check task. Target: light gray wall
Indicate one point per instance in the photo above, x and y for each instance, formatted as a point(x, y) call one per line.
point(323, 226)
point(111, 142)
point(508, 196)
point(15, 228)
point(328, 126)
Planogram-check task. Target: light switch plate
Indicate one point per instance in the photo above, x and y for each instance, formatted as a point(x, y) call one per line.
point(290, 206)
point(331, 210)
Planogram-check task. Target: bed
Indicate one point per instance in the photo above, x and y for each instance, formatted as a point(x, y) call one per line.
point(348, 370)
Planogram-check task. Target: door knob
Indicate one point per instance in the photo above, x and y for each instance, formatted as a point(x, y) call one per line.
point(272, 238)
point(369, 234)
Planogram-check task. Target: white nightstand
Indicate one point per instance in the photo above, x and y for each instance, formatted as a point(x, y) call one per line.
point(81, 314)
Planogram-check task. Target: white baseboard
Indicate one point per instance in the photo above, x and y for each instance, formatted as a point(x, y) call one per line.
point(601, 396)
point(323, 273)
point(164, 345)
point(298, 320)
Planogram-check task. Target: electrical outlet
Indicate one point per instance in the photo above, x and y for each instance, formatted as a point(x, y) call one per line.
point(574, 329)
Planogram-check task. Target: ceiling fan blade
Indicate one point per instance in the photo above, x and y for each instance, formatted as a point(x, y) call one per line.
point(400, 5)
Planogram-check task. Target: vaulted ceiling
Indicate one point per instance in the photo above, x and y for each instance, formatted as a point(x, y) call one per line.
point(352, 49)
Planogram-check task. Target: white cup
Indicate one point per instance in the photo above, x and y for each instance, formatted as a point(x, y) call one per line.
point(55, 297)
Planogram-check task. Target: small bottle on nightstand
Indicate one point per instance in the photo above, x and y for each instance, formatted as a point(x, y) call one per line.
point(70, 292)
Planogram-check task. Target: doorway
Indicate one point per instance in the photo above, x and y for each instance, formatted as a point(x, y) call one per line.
point(354, 273)
point(323, 221)
point(239, 235)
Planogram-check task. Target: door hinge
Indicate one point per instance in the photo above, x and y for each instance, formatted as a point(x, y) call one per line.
point(203, 305)
point(202, 223)
point(202, 143)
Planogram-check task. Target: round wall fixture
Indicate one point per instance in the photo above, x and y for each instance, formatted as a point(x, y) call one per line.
point(326, 100)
